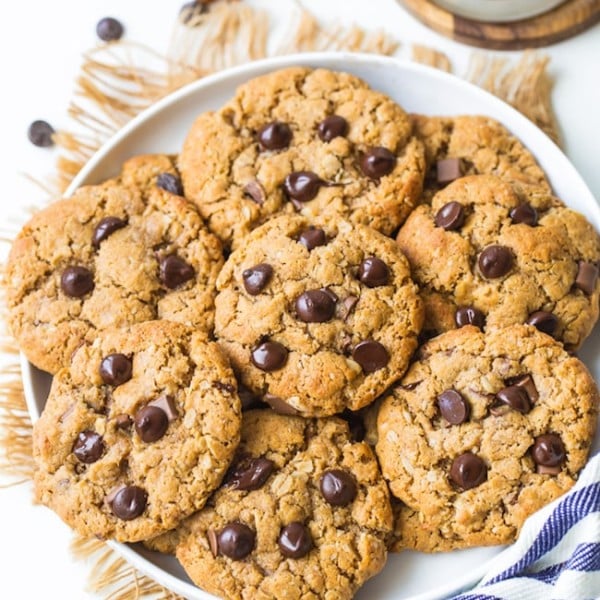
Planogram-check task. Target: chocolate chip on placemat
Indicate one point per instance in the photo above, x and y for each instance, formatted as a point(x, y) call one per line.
point(587, 275)
point(548, 450)
point(275, 136)
point(76, 281)
point(495, 261)
point(257, 277)
point(236, 540)
point(338, 487)
point(170, 183)
point(525, 213)
point(105, 228)
point(151, 423)
point(315, 306)
point(116, 369)
point(255, 191)
point(377, 162)
point(174, 271)
point(332, 127)
point(279, 405)
point(269, 356)
point(312, 238)
point(251, 475)
point(453, 407)
point(451, 216)
point(128, 502)
point(302, 186)
point(515, 397)
point(40, 134)
point(469, 315)
point(373, 272)
point(109, 29)
point(295, 540)
point(544, 321)
point(370, 355)
point(448, 170)
point(88, 447)
point(468, 471)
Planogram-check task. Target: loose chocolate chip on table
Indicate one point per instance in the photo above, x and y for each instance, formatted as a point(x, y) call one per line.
point(373, 272)
point(469, 315)
point(544, 321)
point(76, 281)
point(256, 192)
point(129, 502)
point(495, 261)
point(269, 356)
point(302, 186)
point(236, 540)
point(587, 275)
point(40, 134)
point(295, 540)
point(88, 447)
point(170, 183)
point(174, 271)
point(338, 487)
point(151, 423)
point(526, 382)
point(516, 397)
point(453, 407)
point(167, 404)
point(451, 216)
point(109, 29)
point(115, 369)
point(448, 170)
point(252, 475)
point(377, 162)
point(257, 277)
point(548, 450)
point(105, 228)
point(525, 213)
point(315, 306)
point(370, 355)
point(279, 405)
point(312, 237)
point(332, 127)
point(468, 471)
point(275, 136)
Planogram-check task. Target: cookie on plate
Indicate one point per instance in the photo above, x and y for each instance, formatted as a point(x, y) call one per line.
point(111, 255)
point(485, 255)
point(303, 509)
point(316, 320)
point(137, 432)
point(484, 430)
point(309, 140)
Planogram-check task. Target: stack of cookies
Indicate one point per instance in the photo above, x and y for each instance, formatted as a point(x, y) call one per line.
point(325, 331)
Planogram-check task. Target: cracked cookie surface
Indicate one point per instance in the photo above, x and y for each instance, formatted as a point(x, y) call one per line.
point(317, 320)
point(484, 430)
point(512, 258)
point(137, 432)
point(235, 162)
point(114, 254)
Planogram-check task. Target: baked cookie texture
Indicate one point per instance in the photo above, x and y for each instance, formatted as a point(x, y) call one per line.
point(484, 430)
point(512, 258)
point(137, 432)
point(114, 254)
point(316, 320)
point(306, 538)
point(234, 163)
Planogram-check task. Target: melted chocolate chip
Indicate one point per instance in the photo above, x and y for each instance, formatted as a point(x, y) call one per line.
point(587, 275)
point(252, 475)
point(151, 423)
point(109, 29)
point(526, 382)
point(370, 355)
point(105, 228)
point(548, 450)
point(347, 307)
point(174, 271)
point(123, 422)
point(373, 272)
point(468, 471)
point(129, 502)
point(448, 170)
point(516, 397)
point(332, 127)
point(88, 447)
point(453, 407)
point(338, 487)
point(256, 192)
point(115, 369)
point(257, 277)
point(170, 183)
point(275, 136)
point(315, 306)
point(544, 321)
point(40, 134)
point(377, 162)
point(76, 281)
point(312, 238)
point(495, 261)
point(302, 186)
point(451, 216)
point(269, 356)
point(469, 315)
point(236, 540)
point(295, 540)
point(525, 213)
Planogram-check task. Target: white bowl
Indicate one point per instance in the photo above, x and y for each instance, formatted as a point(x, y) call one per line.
point(163, 127)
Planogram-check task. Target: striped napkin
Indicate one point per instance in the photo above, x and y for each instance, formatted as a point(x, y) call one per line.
point(557, 555)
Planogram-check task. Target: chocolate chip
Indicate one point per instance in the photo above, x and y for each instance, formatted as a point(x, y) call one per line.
point(40, 134)
point(373, 272)
point(332, 127)
point(76, 281)
point(356, 425)
point(469, 315)
point(279, 405)
point(468, 471)
point(257, 277)
point(151, 423)
point(370, 355)
point(174, 271)
point(516, 397)
point(167, 404)
point(116, 369)
point(269, 356)
point(347, 306)
point(256, 192)
point(236, 540)
point(109, 29)
point(105, 228)
point(129, 502)
point(190, 10)
point(312, 237)
point(295, 540)
point(170, 183)
point(448, 169)
point(544, 321)
point(377, 162)
point(453, 407)
point(525, 213)
point(228, 388)
point(252, 475)
point(548, 450)
point(213, 542)
point(587, 275)
point(526, 382)
point(123, 422)
point(88, 447)
point(451, 216)
point(495, 261)
point(302, 186)
point(338, 487)
point(275, 136)
point(248, 398)
point(315, 306)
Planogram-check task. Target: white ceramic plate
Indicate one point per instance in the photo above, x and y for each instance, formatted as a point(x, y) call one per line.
point(162, 128)
point(498, 11)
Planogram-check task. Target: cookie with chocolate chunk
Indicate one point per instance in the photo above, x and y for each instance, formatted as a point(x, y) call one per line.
point(137, 432)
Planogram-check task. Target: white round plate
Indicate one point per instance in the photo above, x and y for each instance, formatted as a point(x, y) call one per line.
point(499, 11)
point(162, 128)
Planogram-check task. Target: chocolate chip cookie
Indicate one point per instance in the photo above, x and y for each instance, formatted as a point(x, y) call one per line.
point(313, 141)
point(317, 319)
point(137, 432)
point(486, 256)
point(483, 430)
point(303, 509)
point(126, 251)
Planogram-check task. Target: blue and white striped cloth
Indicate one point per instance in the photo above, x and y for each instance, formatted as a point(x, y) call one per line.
point(557, 555)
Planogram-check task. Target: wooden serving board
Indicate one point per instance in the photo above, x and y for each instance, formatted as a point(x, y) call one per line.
point(563, 22)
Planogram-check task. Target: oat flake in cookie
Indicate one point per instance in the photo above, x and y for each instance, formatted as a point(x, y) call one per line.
point(316, 320)
point(137, 432)
point(471, 477)
point(313, 141)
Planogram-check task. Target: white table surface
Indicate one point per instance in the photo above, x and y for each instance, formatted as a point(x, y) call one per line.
point(40, 50)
